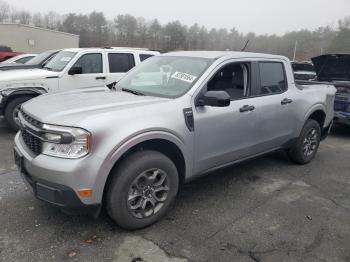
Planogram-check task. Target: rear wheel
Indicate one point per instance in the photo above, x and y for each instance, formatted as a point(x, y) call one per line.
point(12, 110)
point(142, 189)
point(308, 142)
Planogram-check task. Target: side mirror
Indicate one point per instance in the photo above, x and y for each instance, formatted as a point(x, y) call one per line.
point(75, 70)
point(215, 98)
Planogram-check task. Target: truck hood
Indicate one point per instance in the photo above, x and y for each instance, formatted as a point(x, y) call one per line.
point(332, 67)
point(15, 66)
point(25, 74)
point(68, 108)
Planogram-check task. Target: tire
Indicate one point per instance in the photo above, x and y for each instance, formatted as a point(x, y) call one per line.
point(11, 111)
point(133, 179)
point(308, 142)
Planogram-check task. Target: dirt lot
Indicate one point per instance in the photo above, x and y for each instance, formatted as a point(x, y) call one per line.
point(263, 210)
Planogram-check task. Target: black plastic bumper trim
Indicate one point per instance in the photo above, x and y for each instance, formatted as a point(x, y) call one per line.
point(60, 196)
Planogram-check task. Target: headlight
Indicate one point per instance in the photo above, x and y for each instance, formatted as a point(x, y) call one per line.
point(65, 142)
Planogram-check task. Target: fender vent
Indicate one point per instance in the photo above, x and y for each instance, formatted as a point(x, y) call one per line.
point(188, 114)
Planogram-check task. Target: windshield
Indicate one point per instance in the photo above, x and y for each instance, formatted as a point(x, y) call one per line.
point(164, 76)
point(60, 61)
point(303, 67)
point(39, 58)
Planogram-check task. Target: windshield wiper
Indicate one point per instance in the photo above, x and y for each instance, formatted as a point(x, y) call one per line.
point(133, 92)
point(48, 68)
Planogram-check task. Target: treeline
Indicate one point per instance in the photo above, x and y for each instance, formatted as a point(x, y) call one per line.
point(96, 30)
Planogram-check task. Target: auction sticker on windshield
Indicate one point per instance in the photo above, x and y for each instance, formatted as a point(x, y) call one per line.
point(184, 77)
point(66, 59)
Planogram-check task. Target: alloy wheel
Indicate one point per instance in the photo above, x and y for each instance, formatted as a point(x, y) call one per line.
point(310, 142)
point(148, 193)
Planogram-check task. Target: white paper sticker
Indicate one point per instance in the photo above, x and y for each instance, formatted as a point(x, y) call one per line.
point(66, 59)
point(184, 77)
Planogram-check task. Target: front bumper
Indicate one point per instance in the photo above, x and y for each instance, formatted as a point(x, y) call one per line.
point(57, 181)
point(60, 196)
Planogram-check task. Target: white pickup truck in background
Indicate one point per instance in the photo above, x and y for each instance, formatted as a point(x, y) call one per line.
point(70, 69)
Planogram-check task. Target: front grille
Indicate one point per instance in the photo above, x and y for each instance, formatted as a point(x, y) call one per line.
point(30, 119)
point(32, 142)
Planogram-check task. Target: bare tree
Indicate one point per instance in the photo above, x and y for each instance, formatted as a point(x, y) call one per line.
point(4, 11)
point(126, 30)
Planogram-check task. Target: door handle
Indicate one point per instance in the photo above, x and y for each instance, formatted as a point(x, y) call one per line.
point(246, 108)
point(286, 101)
point(100, 78)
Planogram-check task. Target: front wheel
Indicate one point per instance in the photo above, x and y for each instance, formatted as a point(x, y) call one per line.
point(308, 142)
point(142, 189)
point(12, 110)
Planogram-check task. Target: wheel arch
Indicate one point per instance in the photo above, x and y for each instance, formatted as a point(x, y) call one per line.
point(33, 91)
point(319, 116)
point(166, 143)
point(317, 113)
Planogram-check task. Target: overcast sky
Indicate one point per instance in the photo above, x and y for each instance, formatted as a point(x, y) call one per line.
point(259, 16)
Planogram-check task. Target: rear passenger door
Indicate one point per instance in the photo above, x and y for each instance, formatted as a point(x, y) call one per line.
point(118, 65)
point(275, 113)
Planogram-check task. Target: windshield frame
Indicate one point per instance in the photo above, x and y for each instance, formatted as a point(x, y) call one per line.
point(209, 60)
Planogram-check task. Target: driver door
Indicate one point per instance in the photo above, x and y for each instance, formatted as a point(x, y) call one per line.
point(226, 134)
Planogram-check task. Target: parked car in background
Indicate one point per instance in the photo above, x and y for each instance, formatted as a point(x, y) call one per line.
point(335, 68)
point(173, 118)
point(7, 55)
point(19, 59)
point(39, 61)
point(70, 69)
point(303, 70)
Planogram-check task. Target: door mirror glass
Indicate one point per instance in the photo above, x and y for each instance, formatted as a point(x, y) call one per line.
point(75, 70)
point(215, 99)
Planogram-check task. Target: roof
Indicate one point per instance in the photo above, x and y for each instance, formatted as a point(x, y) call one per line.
point(98, 49)
point(37, 28)
point(220, 54)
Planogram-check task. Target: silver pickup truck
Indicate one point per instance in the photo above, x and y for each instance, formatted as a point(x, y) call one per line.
point(169, 120)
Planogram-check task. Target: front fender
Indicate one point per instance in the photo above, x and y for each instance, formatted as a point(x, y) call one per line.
point(8, 94)
point(123, 147)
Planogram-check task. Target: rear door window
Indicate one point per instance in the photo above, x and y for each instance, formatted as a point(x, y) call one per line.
point(120, 62)
point(272, 78)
